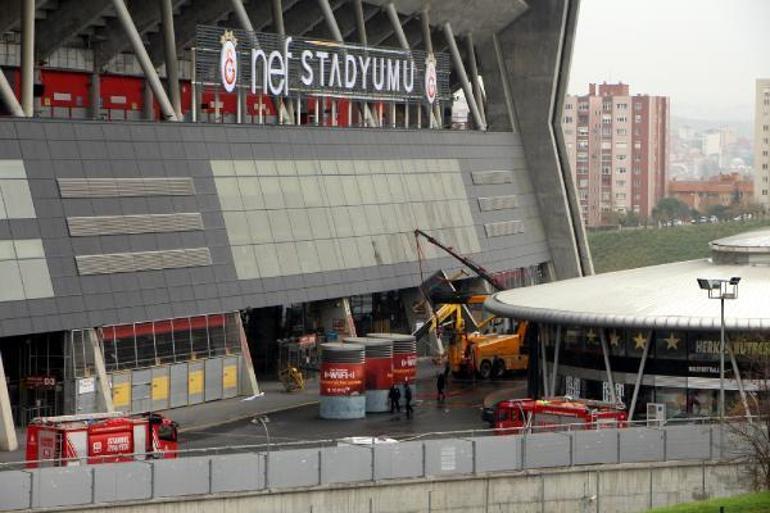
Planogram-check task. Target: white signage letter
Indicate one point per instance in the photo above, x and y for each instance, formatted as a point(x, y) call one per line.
point(350, 77)
point(322, 56)
point(393, 75)
point(364, 69)
point(307, 74)
point(409, 86)
point(335, 72)
point(255, 55)
point(378, 81)
point(276, 68)
point(286, 56)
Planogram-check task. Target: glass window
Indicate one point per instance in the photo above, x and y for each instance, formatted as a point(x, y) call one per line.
point(675, 400)
point(280, 225)
point(267, 260)
point(287, 258)
point(271, 192)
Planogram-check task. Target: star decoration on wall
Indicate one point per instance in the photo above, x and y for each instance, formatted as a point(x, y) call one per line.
point(614, 339)
point(672, 342)
point(640, 341)
point(591, 336)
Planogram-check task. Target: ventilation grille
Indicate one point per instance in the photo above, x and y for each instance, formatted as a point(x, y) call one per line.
point(498, 203)
point(124, 187)
point(503, 228)
point(146, 223)
point(491, 177)
point(142, 261)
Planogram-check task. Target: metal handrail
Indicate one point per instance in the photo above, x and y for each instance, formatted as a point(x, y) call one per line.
point(332, 442)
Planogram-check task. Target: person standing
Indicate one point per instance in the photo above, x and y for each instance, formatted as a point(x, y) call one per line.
point(440, 387)
point(394, 394)
point(408, 399)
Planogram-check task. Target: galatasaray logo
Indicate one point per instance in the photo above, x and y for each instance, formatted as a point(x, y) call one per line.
point(228, 61)
point(431, 83)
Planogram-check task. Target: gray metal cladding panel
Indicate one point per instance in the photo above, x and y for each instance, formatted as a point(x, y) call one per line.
point(641, 444)
point(491, 177)
point(498, 453)
point(237, 472)
point(688, 442)
point(142, 261)
point(61, 487)
point(122, 481)
point(401, 460)
point(446, 457)
point(589, 447)
point(498, 202)
point(346, 464)
point(213, 377)
point(546, 450)
point(288, 469)
point(182, 476)
point(178, 385)
point(15, 486)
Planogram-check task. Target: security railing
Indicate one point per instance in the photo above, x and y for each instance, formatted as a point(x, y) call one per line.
point(320, 462)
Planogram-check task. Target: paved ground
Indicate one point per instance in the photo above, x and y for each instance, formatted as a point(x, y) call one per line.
point(294, 417)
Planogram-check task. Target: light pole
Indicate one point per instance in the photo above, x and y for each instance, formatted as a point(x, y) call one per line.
point(264, 420)
point(721, 290)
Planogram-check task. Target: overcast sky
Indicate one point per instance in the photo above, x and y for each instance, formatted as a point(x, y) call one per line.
point(704, 54)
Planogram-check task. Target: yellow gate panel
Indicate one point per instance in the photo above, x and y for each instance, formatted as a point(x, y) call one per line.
point(160, 387)
point(121, 396)
point(230, 376)
point(195, 382)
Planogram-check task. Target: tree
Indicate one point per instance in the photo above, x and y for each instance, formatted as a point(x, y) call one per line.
point(669, 209)
point(719, 211)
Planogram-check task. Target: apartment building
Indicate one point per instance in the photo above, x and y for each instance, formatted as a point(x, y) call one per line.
point(762, 142)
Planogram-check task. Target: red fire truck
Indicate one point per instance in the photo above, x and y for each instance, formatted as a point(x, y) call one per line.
point(517, 415)
point(99, 438)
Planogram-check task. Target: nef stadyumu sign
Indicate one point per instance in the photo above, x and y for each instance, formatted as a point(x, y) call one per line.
point(270, 64)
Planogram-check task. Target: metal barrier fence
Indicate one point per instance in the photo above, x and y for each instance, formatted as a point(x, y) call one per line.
point(347, 463)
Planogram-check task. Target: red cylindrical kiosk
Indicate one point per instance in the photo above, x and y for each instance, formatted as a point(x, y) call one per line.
point(379, 372)
point(343, 377)
point(404, 358)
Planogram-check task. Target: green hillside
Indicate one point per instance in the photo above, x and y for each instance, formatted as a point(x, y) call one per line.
point(629, 248)
point(750, 503)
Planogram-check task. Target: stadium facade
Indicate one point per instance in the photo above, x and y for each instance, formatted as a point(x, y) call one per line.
point(144, 212)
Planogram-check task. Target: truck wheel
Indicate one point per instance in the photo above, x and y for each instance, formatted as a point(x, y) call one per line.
point(485, 369)
point(498, 369)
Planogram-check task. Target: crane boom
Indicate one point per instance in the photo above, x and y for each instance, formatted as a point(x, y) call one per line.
point(470, 264)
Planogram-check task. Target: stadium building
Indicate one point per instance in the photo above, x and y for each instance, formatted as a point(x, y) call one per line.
point(177, 175)
point(653, 334)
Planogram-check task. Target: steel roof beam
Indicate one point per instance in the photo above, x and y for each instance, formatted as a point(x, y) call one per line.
point(347, 21)
point(72, 17)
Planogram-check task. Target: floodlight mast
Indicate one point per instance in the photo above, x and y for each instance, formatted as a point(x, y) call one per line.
point(721, 289)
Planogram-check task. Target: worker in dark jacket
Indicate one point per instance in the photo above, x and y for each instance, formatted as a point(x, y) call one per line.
point(408, 399)
point(394, 395)
point(441, 387)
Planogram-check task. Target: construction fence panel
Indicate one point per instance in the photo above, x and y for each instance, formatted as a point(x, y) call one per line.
point(688, 442)
point(195, 382)
point(178, 385)
point(122, 482)
point(447, 457)
point(15, 487)
point(85, 398)
point(121, 390)
point(641, 444)
point(346, 464)
point(230, 366)
point(497, 453)
point(184, 476)
point(213, 379)
point(547, 450)
point(288, 469)
point(237, 472)
point(591, 447)
point(160, 387)
point(141, 383)
point(398, 461)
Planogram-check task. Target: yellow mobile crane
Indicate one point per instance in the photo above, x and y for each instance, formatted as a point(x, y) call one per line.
point(470, 351)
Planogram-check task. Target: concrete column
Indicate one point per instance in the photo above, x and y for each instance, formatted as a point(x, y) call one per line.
point(148, 100)
point(103, 391)
point(172, 66)
point(478, 92)
point(331, 21)
point(240, 13)
point(360, 22)
point(247, 365)
point(28, 57)
point(166, 109)
point(8, 441)
point(9, 98)
point(94, 93)
point(280, 28)
point(463, 76)
point(396, 23)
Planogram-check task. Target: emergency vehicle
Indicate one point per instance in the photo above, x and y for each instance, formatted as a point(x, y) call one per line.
point(99, 438)
point(518, 415)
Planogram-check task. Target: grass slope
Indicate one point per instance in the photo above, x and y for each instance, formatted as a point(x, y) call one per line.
point(616, 250)
point(749, 503)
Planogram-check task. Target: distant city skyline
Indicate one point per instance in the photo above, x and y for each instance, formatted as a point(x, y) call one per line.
point(704, 54)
